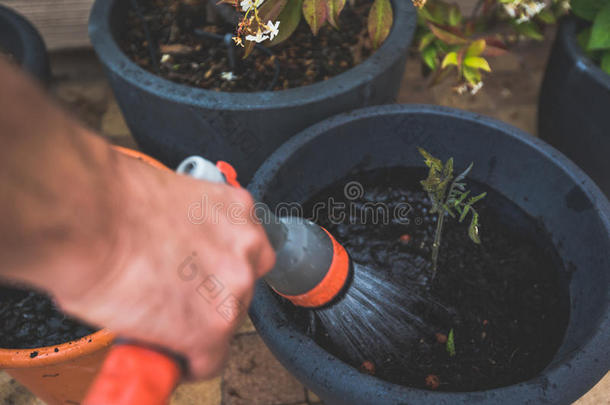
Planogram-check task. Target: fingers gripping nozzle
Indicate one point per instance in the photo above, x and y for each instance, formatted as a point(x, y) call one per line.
point(311, 267)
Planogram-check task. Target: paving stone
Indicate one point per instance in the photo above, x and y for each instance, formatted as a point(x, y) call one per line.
point(523, 117)
point(13, 393)
point(254, 377)
point(201, 393)
point(246, 327)
point(113, 123)
point(598, 395)
point(312, 398)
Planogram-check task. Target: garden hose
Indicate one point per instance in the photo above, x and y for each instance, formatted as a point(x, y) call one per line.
point(311, 270)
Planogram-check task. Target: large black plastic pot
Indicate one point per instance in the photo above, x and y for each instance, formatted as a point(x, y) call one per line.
point(531, 174)
point(19, 38)
point(574, 105)
point(172, 121)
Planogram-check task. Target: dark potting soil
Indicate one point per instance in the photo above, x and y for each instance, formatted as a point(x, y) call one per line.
point(29, 319)
point(199, 61)
point(508, 295)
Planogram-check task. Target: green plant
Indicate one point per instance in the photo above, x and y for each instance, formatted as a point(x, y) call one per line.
point(449, 196)
point(595, 39)
point(448, 39)
point(450, 345)
point(262, 19)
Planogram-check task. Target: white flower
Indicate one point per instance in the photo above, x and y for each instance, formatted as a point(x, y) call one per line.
point(272, 29)
point(534, 9)
point(522, 19)
point(510, 10)
point(165, 58)
point(461, 89)
point(258, 38)
point(247, 4)
point(475, 89)
point(229, 76)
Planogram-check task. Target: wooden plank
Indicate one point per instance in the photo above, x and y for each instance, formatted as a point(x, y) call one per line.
point(62, 23)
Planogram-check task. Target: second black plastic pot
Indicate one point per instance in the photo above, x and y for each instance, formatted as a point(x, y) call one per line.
point(531, 174)
point(19, 38)
point(574, 105)
point(172, 121)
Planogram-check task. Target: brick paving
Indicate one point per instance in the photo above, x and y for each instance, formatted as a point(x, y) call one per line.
point(253, 376)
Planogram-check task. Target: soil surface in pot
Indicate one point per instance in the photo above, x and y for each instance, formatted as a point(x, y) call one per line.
point(200, 61)
point(508, 295)
point(29, 319)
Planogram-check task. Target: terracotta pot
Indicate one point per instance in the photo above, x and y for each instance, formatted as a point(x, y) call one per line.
point(61, 374)
point(58, 374)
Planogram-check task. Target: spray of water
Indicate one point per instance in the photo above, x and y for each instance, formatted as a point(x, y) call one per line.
point(377, 319)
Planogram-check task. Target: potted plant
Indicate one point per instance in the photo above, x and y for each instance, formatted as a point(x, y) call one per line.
point(575, 93)
point(249, 108)
point(457, 44)
point(22, 43)
point(54, 356)
point(542, 217)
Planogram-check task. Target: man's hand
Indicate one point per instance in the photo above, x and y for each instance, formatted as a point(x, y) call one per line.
point(152, 255)
point(182, 271)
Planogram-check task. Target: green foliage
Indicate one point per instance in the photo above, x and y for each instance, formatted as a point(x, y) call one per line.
point(595, 39)
point(318, 13)
point(449, 196)
point(380, 21)
point(600, 32)
point(587, 9)
point(448, 40)
point(450, 345)
point(290, 17)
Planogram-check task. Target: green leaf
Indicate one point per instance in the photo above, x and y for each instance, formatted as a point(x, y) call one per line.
point(334, 9)
point(463, 175)
point(315, 13)
point(270, 10)
point(448, 210)
point(529, 29)
point(476, 198)
point(478, 63)
point(587, 9)
point(464, 212)
point(425, 13)
point(449, 59)
point(380, 21)
point(429, 57)
point(455, 17)
point(600, 32)
point(462, 198)
point(450, 345)
point(473, 229)
point(605, 62)
point(583, 38)
point(448, 169)
point(446, 36)
point(289, 19)
point(546, 16)
point(431, 161)
point(426, 40)
point(476, 48)
point(472, 75)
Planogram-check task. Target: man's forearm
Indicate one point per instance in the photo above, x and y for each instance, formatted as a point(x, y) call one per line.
point(57, 202)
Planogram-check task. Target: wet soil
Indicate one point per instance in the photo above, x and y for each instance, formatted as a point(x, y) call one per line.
point(173, 28)
point(508, 295)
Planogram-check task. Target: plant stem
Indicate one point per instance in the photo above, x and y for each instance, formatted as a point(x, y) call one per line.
point(437, 242)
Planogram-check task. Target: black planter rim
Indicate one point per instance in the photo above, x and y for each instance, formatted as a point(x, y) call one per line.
point(577, 367)
point(118, 63)
point(568, 32)
point(34, 57)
